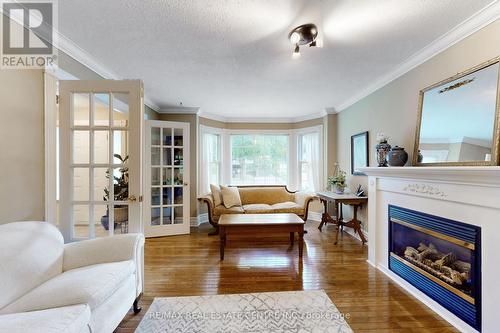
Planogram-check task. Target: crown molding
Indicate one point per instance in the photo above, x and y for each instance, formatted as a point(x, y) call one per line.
point(262, 120)
point(309, 117)
point(76, 52)
point(179, 110)
point(69, 47)
point(474, 23)
point(212, 116)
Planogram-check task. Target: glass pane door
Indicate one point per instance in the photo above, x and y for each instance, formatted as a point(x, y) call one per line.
point(167, 197)
point(96, 156)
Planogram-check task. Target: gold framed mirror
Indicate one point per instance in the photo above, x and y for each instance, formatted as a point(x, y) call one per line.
point(458, 122)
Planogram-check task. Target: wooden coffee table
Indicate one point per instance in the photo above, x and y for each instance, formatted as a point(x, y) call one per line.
point(254, 224)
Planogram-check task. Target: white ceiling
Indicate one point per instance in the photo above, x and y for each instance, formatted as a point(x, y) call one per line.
point(232, 59)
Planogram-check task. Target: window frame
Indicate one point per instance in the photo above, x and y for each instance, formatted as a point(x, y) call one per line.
point(287, 133)
point(299, 135)
point(216, 131)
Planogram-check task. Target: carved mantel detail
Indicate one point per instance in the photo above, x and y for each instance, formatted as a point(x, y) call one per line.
point(424, 189)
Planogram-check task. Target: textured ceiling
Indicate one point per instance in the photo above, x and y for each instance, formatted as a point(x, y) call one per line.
point(232, 58)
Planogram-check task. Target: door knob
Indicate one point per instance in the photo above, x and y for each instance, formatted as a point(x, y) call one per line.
point(132, 198)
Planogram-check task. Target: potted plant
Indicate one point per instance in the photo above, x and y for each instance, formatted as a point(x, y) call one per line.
point(338, 181)
point(120, 188)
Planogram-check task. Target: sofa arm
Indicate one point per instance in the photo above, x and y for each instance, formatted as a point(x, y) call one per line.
point(106, 250)
point(102, 250)
point(209, 201)
point(304, 199)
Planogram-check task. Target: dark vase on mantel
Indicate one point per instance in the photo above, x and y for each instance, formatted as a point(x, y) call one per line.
point(420, 157)
point(397, 157)
point(382, 151)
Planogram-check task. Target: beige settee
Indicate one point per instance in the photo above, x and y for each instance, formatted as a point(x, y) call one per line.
point(261, 200)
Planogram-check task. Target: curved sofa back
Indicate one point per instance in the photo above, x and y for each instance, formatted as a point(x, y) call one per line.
point(264, 195)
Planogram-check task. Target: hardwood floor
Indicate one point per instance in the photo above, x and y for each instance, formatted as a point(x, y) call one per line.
point(189, 265)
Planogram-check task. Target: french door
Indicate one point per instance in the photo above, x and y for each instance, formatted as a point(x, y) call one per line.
point(100, 157)
point(166, 167)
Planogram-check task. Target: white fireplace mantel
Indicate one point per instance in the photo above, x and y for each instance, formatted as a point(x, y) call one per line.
point(465, 194)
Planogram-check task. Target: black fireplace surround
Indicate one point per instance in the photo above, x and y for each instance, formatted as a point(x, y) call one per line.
point(439, 257)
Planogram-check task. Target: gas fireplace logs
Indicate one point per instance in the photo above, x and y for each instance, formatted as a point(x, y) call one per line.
point(444, 266)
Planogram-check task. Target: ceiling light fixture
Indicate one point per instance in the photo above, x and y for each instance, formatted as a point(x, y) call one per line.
point(305, 34)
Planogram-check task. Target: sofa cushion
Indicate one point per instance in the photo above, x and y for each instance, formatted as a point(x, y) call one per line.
point(216, 194)
point(265, 195)
point(219, 210)
point(257, 209)
point(288, 207)
point(90, 285)
point(68, 319)
point(32, 253)
point(230, 196)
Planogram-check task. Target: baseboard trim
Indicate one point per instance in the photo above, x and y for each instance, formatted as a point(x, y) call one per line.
point(197, 220)
point(348, 231)
point(314, 216)
point(351, 232)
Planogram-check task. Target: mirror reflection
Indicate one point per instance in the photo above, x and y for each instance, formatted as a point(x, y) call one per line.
point(458, 119)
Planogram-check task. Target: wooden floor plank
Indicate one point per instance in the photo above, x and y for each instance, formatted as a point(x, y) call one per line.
point(189, 265)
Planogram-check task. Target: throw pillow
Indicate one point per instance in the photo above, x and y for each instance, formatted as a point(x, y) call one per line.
point(216, 193)
point(230, 196)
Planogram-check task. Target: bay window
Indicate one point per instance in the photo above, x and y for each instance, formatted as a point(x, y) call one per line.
point(268, 157)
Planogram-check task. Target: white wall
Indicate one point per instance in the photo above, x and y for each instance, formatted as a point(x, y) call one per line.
point(21, 145)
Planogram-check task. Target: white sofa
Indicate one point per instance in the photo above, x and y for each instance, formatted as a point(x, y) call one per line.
point(48, 286)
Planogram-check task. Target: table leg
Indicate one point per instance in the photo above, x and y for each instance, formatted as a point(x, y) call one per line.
point(339, 224)
point(301, 242)
point(324, 215)
point(222, 233)
point(357, 225)
point(340, 213)
point(292, 237)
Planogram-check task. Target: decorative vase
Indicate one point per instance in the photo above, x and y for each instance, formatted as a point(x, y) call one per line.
point(121, 215)
point(420, 157)
point(382, 150)
point(397, 157)
point(339, 190)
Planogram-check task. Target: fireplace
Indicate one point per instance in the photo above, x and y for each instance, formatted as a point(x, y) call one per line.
point(440, 257)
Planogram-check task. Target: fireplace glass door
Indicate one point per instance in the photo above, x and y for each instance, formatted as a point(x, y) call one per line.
point(445, 258)
point(440, 257)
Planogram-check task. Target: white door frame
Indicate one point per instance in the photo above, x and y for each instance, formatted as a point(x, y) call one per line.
point(171, 229)
point(135, 91)
point(50, 138)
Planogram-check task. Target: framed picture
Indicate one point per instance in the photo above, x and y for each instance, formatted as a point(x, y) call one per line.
point(359, 152)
